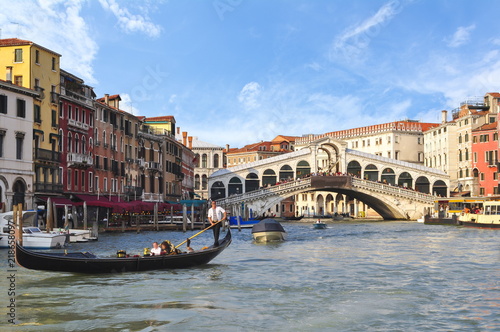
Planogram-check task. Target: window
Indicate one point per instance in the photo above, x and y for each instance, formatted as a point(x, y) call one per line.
point(70, 112)
point(69, 179)
point(37, 116)
point(91, 176)
point(481, 191)
point(3, 104)
point(83, 181)
point(2, 135)
point(18, 80)
point(54, 118)
point(19, 145)
point(21, 108)
point(37, 57)
point(18, 55)
point(53, 63)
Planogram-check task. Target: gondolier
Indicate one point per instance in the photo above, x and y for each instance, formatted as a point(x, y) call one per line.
point(216, 214)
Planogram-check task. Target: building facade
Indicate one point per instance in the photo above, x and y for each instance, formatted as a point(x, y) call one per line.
point(16, 146)
point(485, 159)
point(32, 66)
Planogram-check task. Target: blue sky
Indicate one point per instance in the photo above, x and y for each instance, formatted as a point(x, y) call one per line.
point(240, 71)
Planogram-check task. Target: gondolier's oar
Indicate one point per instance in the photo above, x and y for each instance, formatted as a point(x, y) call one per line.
point(180, 244)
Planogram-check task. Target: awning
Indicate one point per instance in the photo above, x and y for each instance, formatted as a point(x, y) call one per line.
point(60, 201)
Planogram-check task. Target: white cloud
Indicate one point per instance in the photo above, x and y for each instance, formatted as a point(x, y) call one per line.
point(249, 95)
point(56, 25)
point(461, 36)
point(356, 39)
point(131, 22)
point(127, 105)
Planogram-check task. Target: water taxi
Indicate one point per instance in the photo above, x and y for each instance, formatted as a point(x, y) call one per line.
point(488, 216)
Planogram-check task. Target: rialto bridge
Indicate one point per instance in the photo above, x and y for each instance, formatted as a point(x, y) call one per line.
point(336, 180)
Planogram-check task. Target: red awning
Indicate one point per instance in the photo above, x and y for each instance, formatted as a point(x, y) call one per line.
point(60, 201)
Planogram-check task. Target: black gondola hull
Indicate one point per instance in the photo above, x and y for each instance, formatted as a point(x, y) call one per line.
point(87, 263)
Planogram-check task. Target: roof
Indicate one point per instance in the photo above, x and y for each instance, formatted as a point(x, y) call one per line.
point(201, 144)
point(487, 126)
point(20, 42)
point(112, 97)
point(165, 118)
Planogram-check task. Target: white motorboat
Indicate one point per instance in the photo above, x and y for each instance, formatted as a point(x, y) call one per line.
point(33, 237)
point(268, 230)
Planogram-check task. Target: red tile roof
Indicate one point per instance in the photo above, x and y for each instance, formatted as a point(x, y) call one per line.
point(20, 42)
point(487, 126)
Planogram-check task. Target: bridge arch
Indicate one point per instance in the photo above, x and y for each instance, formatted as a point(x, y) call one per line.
point(388, 176)
point(235, 186)
point(329, 204)
point(405, 180)
point(354, 168)
point(422, 184)
point(371, 173)
point(439, 188)
point(217, 191)
point(251, 182)
point(303, 168)
point(320, 205)
point(286, 173)
point(269, 178)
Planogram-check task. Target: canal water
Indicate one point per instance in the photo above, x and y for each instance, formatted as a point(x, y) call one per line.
point(352, 276)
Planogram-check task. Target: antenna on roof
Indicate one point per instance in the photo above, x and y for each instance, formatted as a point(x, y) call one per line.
point(17, 30)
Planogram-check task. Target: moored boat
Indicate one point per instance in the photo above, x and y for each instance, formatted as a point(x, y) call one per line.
point(487, 217)
point(33, 237)
point(85, 262)
point(233, 222)
point(268, 230)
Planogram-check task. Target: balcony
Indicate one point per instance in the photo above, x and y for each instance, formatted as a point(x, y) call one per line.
point(41, 187)
point(154, 166)
point(54, 98)
point(141, 162)
point(152, 197)
point(492, 163)
point(78, 124)
point(133, 192)
point(47, 155)
point(77, 96)
point(79, 160)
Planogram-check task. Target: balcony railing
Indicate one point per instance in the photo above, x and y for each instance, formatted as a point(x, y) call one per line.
point(79, 159)
point(141, 162)
point(78, 124)
point(48, 187)
point(47, 155)
point(154, 165)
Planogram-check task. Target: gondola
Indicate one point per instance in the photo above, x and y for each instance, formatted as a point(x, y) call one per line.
point(84, 262)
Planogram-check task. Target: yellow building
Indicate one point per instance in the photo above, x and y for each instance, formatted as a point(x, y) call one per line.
point(35, 67)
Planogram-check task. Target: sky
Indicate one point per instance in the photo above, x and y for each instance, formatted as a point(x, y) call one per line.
point(240, 71)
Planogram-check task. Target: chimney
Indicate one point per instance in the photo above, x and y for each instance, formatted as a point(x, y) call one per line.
point(444, 116)
point(227, 148)
point(117, 103)
point(184, 137)
point(178, 130)
point(8, 74)
point(106, 99)
point(190, 140)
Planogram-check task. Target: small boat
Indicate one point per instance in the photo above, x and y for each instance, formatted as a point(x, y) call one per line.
point(85, 262)
point(487, 217)
point(33, 237)
point(233, 222)
point(442, 220)
point(319, 225)
point(268, 230)
point(293, 218)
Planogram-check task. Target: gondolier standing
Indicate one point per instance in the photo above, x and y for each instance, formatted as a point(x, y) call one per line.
point(216, 214)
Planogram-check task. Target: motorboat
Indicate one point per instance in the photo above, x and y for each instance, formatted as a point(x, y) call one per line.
point(268, 230)
point(85, 262)
point(319, 225)
point(33, 237)
point(486, 217)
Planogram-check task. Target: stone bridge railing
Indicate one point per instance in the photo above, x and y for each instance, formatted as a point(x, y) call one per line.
point(350, 183)
point(392, 190)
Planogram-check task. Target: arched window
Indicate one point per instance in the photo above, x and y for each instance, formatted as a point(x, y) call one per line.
point(69, 141)
point(216, 160)
point(61, 143)
point(77, 144)
point(204, 161)
point(197, 182)
point(84, 145)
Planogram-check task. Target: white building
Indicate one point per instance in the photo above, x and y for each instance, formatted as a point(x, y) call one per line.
point(16, 145)
point(209, 158)
point(440, 150)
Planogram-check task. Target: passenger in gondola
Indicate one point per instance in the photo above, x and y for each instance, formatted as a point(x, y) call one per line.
point(156, 250)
